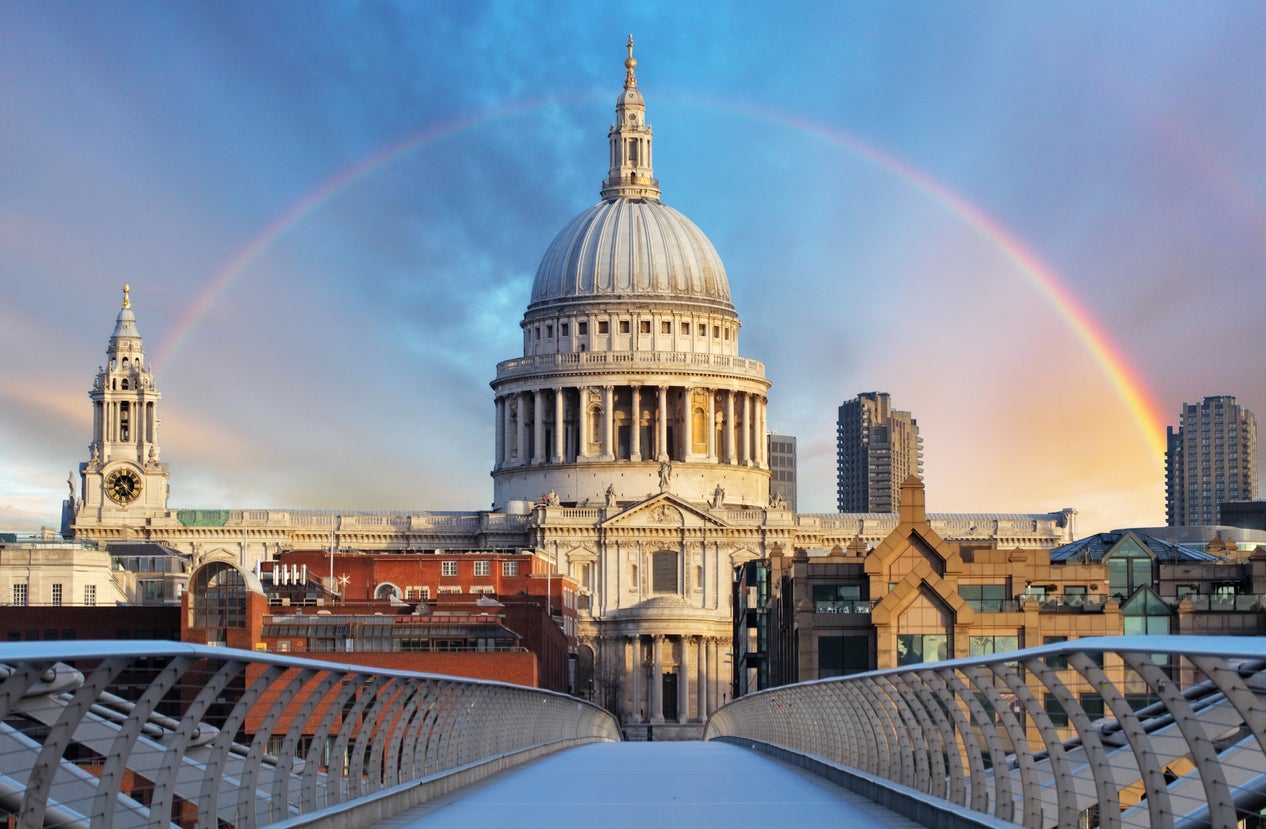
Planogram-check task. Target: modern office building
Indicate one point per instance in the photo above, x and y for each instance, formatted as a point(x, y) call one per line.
point(782, 470)
point(916, 596)
point(877, 449)
point(1246, 515)
point(1209, 459)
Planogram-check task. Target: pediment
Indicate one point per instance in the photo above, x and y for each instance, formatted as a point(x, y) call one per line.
point(663, 511)
point(581, 553)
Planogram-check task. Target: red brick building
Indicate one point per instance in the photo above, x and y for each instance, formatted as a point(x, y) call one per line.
point(484, 615)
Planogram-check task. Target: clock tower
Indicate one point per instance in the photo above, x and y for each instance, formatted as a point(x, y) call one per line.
point(123, 483)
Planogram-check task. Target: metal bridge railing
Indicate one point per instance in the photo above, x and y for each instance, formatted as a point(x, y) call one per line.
point(131, 734)
point(1125, 731)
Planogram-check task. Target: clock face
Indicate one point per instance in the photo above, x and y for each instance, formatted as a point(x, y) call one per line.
point(123, 486)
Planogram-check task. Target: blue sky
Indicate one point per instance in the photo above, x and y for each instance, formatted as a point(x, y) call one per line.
point(1120, 145)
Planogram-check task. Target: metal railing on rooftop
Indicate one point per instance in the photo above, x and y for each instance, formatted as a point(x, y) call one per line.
point(132, 734)
point(1124, 731)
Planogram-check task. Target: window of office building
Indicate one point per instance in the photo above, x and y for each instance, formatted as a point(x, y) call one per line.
point(842, 655)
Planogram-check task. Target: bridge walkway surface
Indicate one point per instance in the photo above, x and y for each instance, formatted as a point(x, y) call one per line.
point(660, 785)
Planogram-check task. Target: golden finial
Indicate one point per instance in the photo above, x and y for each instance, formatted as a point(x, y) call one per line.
point(127, 301)
point(630, 81)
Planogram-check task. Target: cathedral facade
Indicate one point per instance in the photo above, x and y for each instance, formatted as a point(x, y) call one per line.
point(631, 452)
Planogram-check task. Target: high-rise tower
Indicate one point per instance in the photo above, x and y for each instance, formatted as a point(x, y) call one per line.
point(877, 448)
point(1211, 458)
point(123, 482)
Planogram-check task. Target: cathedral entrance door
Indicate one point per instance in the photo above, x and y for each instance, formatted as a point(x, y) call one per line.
point(670, 696)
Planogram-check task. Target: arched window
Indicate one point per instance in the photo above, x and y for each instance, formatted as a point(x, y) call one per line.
point(664, 572)
point(699, 430)
point(595, 429)
point(218, 597)
point(387, 591)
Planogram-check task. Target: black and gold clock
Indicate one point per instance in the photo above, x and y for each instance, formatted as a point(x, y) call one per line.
point(123, 486)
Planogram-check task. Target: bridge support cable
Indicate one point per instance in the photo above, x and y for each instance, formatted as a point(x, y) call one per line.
point(142, 734)
point(1111, 732)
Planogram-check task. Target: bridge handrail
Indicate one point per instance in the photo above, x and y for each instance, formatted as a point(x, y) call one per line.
point(1112, 731)
point(130, 733)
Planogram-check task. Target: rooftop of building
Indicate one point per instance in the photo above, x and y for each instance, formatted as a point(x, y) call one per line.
point(1095, 547)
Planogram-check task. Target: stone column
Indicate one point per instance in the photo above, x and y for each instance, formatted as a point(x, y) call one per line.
point(657, 678)
point(520, 404)
point(729, 427)
point(560, 439)
point(701, 680)
point(688, 423)
point(661, 430)
point(683, 682)
point(608, 422)
point(712, 424)
point(632, 666)
point(500, 450)
point(762, 435)
point(582, 423)
point(507, 409)
point(747, 430)
point(635, 439)
point(538, 427)
point(712, 674)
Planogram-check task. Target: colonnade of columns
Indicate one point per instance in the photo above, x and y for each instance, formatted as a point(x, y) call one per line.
point(632, 422)
point(646, 659)
point(128, 421)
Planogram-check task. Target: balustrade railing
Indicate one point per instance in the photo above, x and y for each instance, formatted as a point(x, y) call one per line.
point(131, 734)
point(589, 361)
point(1123, 731)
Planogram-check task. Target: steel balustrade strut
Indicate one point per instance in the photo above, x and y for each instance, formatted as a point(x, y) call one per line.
point(142, 734)
point(1145, 731)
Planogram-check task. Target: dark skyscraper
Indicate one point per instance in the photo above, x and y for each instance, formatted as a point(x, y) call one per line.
point(1211, 458)
point(877, 448)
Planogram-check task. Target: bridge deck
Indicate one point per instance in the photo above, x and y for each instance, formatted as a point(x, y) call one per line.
point(660, 785)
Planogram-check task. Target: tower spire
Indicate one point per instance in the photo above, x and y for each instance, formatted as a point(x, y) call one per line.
point(630, 80)
point(631, 175)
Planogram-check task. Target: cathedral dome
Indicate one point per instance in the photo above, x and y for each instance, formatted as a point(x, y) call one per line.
point(631, 248)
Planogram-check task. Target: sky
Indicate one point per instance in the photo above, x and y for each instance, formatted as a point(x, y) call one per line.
point(1040, 227)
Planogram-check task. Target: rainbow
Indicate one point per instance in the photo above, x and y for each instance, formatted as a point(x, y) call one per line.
point(310, 202)
point(1130, 386)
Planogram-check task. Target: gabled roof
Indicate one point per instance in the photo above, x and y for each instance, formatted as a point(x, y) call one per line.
point(1093, 548)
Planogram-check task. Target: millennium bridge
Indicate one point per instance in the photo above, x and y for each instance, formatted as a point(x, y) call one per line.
point(1111, 732)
